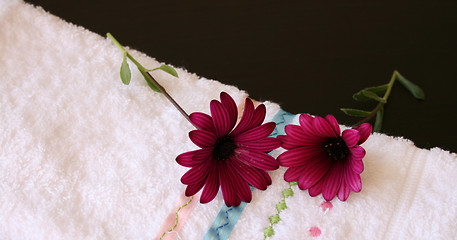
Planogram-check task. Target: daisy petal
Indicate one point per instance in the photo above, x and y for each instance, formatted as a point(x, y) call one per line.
point(323, 128)
point(246, 118)
point(231, 108)
point(202, 138)
point(211, 186)
point(352, 179)
point(293, 173)
point(237, 201)
point(316, 189)
point(300, 137)
point(265, 145)
point(259, 116)
point(221, 118)
point(357, 152)
point(332, 181)
point(256, 133)
point(365, 131)
point(344, 192)
point(286, 142)
point(241, 186)
point(314, 173)
point(192, 189)
point(251, 174)
point(306, 123)
point(257, 159)
point(228, 191)
point(351, 137)
point(195, 174)
point(202, 121)
point(300, 156)
point(355, 164)
point(332, 121)
point(289, 142)
point(185, 159)
point(203, 155)
point(266, 176)
point(296, 134)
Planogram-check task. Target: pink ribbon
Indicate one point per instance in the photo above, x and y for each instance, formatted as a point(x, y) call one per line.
point(183, 214)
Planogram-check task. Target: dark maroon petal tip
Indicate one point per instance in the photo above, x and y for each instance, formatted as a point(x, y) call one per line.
point(211, 186)
point(365, 131)
point(351, 137)
point(332, 121)
point(306, 122)
point(202, 121)
point(228, 189)
point(221, 118)
point(241, 186)
point(195, 175)
point(357, 152)
point(332, 181)
point(259, 116)
point(192, 189)
point(343, 192)
point(185, 159)
point(323, 127)
point(246, 118)
point(202, 138)
point(230, 106)
point(293, 173)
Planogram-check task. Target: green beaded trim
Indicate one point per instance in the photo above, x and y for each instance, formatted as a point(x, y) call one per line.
point(281, 205)
point(176, 217)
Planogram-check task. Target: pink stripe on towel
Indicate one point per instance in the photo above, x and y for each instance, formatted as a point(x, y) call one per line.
point(183, 214)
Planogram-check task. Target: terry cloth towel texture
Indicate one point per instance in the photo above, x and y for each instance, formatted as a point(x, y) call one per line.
point(82, 156)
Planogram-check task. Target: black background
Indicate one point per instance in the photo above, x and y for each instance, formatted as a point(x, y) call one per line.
point(308, 56)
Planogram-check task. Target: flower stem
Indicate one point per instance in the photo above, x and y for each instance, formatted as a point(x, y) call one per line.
point(177, 106)
point(380, 104)
point(146, 74)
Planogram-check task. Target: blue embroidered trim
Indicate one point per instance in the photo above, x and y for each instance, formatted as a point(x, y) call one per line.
point(224, 222)
point(228, 221)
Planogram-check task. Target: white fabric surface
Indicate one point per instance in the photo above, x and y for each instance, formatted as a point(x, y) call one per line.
point(83, 156)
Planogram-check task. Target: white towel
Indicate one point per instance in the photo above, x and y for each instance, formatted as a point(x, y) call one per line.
point(83, 156)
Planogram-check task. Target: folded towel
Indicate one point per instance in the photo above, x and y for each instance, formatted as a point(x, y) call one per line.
point(83, 156)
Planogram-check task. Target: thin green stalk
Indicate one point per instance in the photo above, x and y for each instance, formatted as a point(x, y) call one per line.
point(140, 67)
point(390, 85)
point(380, 104)
point(150, 78)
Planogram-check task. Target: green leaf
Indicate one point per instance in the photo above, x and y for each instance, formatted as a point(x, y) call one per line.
point(378, 121)
point(415, 90)
point(151, 84)
point(360, 96)
point(125, 70)
point(372, 95)
point(355, 112)
point(166, 69)
point(169, 70)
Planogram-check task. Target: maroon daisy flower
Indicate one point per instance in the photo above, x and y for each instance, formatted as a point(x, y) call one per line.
point(230, 157)
point(322, 159)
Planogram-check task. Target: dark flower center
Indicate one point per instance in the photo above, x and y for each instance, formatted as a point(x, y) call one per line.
point(224, 148)
point(336, 149)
